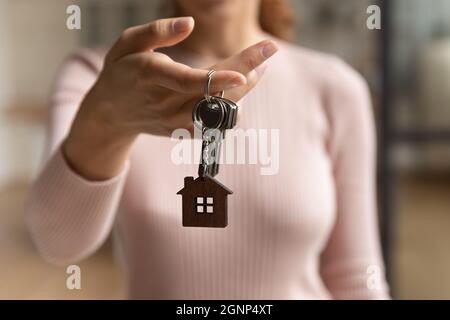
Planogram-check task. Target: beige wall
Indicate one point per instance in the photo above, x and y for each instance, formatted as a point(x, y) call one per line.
point(37, 40)
point(34, 41)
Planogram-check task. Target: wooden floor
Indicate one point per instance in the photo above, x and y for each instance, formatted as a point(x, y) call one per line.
point(422, 251)
point(24, 275)
point(422, 240)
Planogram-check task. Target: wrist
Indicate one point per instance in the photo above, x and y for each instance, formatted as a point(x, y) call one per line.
point(95, 149)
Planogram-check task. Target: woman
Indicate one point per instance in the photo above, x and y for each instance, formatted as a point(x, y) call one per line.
point(307, 232)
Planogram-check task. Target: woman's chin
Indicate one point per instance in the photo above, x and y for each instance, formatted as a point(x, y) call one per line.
point(212, 8)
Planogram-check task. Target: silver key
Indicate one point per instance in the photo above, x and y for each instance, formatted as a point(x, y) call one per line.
point(213, 115)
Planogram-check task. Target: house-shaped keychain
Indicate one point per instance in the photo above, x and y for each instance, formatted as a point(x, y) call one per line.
point(204, 202)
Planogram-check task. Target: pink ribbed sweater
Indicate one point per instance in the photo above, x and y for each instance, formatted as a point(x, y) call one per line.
point(307, 232)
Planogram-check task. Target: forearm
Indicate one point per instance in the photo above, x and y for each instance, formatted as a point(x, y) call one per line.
point(68, 216)
point(93, 148)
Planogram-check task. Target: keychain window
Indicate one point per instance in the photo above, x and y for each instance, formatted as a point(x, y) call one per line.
point(204, 204)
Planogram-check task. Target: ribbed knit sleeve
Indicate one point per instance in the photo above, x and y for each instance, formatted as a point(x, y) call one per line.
point(352, 265)
point(68, 216)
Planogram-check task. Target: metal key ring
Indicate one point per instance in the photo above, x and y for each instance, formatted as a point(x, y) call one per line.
point(208, 83)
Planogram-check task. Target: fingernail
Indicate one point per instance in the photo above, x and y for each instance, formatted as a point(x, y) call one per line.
point(182, 24)
point(268, 49)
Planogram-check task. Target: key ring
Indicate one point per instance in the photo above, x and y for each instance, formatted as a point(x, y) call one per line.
point(208, 83)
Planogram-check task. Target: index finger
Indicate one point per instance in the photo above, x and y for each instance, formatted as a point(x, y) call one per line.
point(250, 58)
point(163, 71)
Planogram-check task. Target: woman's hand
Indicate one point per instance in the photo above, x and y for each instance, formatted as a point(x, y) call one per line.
point(143, 91)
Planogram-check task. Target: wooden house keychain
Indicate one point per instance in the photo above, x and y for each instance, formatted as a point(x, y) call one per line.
point(205, 198)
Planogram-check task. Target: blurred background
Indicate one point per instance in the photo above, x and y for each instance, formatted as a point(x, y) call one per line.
point(407, 65)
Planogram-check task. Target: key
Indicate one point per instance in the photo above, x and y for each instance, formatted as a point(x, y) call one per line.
point(213, 116)
point(210, 156)
point(228, 123)
point(210, 115)
point(205, 198)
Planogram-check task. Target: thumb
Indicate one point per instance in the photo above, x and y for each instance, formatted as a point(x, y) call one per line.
point(156, 34)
